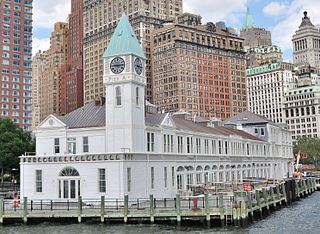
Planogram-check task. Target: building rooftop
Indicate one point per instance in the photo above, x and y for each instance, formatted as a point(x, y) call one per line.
point(263, 69)
point(306, 21)
point(124, 40)
point(249, 23)
point(304, 90)
point(247, 118)
point(93, 115)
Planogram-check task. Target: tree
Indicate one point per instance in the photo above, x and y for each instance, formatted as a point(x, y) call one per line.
point(310, 147)
point(13, 143)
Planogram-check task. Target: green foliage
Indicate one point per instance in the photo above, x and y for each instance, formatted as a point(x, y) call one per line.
point(13, 143)
point(309, 147)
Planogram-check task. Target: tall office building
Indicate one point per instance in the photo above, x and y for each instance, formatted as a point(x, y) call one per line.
point(266, 86)
point(50, 92)
point(253, 35)
point(100, 19)
point(72, 73)
point(199, 68)
point(306, 43)
point(15, 65)
point(39, 65)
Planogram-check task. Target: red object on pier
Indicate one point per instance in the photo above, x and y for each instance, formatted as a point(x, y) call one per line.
point(247, 187)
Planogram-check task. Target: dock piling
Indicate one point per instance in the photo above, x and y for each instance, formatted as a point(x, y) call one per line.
point(79, 208)
point(126, 208)
point(178, 212)
point(102, 209)
point(25, 209)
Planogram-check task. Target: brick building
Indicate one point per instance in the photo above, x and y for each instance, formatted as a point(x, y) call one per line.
point(15, 65)
point(72, 74)
point(198, 68)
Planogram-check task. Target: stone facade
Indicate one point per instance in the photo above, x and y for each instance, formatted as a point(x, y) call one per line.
point(306, 44)
point(199, 69)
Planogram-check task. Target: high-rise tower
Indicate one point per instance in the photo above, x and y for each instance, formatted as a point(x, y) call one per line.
point(306, 43)
point(100, 20)
point(72, 73)
point(253, 35)
point(15, 65)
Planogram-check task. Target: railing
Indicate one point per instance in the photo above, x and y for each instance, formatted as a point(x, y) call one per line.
point(238, 205)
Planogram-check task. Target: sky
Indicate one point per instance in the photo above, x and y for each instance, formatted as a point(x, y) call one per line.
point(281, 17)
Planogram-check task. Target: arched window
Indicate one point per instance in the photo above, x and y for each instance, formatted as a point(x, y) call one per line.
point(69, 171)
point(137, 96)
point(118, 95)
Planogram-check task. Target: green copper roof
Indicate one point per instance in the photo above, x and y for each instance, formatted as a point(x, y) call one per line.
point(124, 40)
point(263, 69)
point(249, 23)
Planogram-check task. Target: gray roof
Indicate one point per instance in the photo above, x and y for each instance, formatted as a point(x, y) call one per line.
point(87, 116)
point(246, 118)
point(92, 115)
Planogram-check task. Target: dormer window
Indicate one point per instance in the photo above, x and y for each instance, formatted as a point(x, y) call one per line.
point(118, 96)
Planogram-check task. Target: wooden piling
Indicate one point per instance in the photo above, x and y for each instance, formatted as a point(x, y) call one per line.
point(221, 209)
point(102, 209)
point(178, 209)
point(259, 203)
point(25, 209)
point(126, 208)
point(1, 209)
point(207, 209)
point(151, 208)
point(79, 208)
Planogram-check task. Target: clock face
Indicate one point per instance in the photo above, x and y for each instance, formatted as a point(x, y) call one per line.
point(138, 66)
point(117, 65)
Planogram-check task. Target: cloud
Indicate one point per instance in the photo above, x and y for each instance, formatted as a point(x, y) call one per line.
point(276, 8)
point(285, 27)
point(230, 11)
point(46, 13)
point(40, 44)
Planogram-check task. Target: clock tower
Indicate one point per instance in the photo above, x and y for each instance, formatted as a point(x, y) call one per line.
point(125, 81)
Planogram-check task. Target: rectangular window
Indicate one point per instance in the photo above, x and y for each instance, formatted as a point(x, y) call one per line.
point(180, 144)
point(39, 181)
point(85, 141)
point(172, 176)
point(206, 146)
point(165, 171)
point(198, 145)
point(129, 180)
point(150, 142)
point(189, 145)
point(152, 177)
point(56, 145)
point(71, 145)
point(102, 180)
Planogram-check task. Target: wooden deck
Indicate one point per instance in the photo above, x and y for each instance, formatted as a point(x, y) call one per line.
point(237, 210)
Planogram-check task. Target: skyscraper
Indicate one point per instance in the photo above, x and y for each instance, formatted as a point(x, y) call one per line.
point(39, 64)
point(306, 44)
point(72, 73)
point(199, 68)
point(50, 91)
point(253, 35)
point(100, 19)
point(15, 66)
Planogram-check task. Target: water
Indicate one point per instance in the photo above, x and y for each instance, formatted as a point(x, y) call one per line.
point(301, 217)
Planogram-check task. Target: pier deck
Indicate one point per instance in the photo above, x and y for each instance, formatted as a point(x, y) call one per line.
point(227, 210)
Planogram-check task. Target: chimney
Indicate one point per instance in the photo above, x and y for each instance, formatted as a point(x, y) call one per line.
point(99, 101)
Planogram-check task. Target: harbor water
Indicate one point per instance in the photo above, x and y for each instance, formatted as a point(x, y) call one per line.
point(301, 217)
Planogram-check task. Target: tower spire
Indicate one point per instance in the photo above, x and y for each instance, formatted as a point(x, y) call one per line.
point(249, 23)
